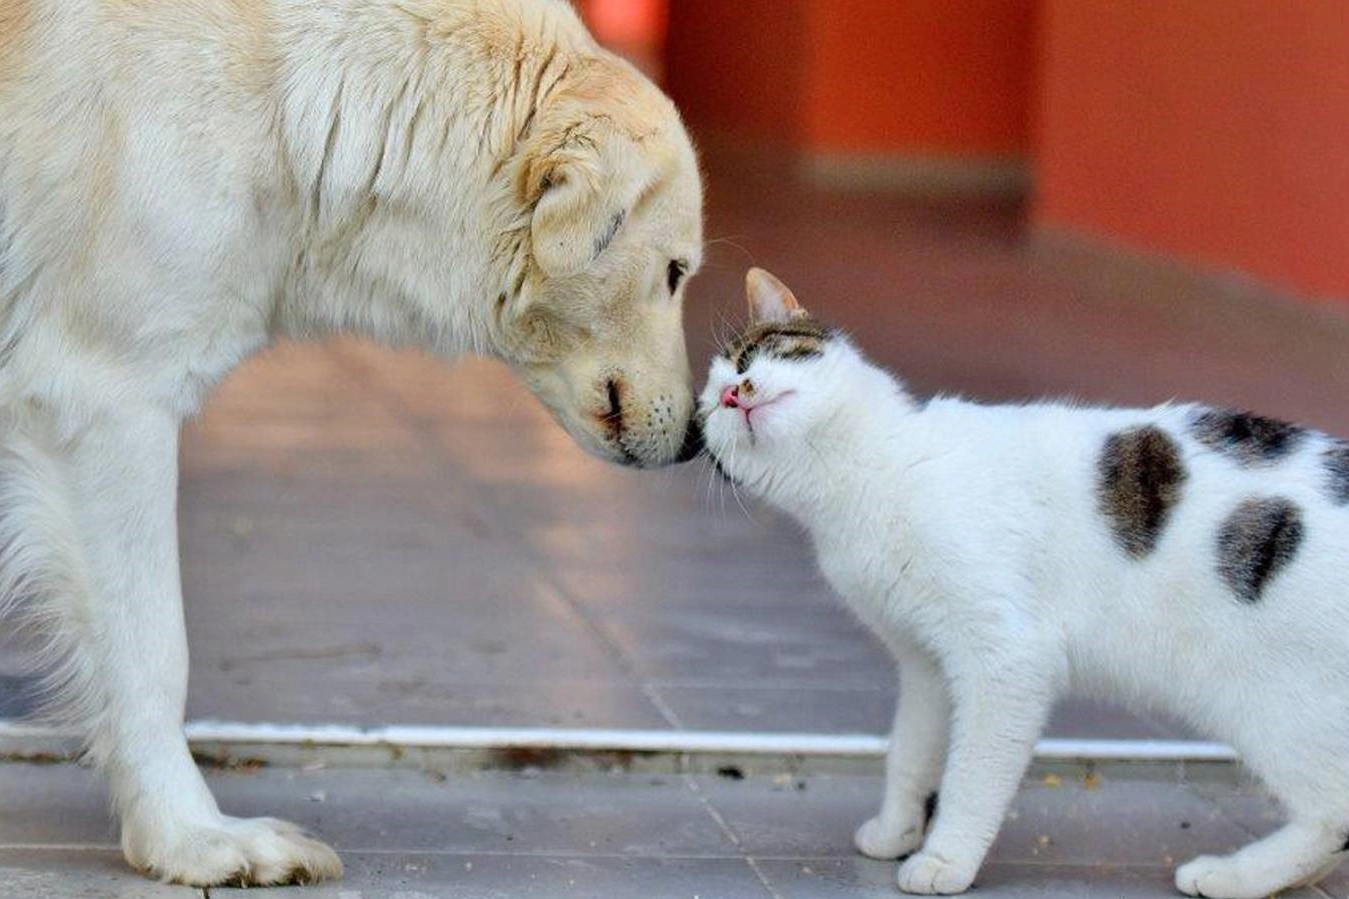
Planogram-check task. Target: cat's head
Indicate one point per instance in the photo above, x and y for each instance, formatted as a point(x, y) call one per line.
point(777, 387)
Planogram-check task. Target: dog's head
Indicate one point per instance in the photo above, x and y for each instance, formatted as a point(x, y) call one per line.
point(611, 186)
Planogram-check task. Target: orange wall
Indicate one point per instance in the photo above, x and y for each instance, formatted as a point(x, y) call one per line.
point(921, 76)
point(738, 67)
point(1215, 130)
point(903, 77)
point(625, 22)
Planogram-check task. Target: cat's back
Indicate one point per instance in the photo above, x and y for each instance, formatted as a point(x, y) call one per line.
point(1159, 544)
point(1139, 493)
point(1222, 450)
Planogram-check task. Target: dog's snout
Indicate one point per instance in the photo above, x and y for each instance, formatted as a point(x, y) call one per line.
point(693, 441)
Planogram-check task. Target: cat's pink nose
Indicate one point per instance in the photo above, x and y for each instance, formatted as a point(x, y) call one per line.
point(730, 397)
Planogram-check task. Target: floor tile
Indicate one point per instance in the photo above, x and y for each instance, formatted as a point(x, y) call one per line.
point(372, 694)
point(787, 817)
point(1116, 822)
point(856, 710)
point(865, 879)
point(799, 646)
point(625, 815)
point(54, 805)
point(78, 874)
point(1135, 823)
point(1337, 883)
point(1081, 719)
point(362, 529)
point(413, 876)
point(19, 695)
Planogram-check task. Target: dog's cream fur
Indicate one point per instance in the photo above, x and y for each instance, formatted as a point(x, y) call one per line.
point(182, 181)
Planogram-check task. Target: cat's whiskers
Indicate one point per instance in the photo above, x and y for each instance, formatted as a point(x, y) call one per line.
point(735, 490)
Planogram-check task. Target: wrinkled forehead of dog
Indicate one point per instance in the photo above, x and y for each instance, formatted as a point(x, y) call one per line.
point(627, 176)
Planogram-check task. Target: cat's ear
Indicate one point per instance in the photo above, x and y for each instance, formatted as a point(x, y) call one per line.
point(769, 299)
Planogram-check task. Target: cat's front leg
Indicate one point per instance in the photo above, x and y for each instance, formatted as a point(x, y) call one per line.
point(1000, 708)
point(913, 763)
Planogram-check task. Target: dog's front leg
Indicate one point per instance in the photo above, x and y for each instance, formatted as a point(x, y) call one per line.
point(133, 647)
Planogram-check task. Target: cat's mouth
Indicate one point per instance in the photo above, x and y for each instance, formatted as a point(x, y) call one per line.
point(748, 399)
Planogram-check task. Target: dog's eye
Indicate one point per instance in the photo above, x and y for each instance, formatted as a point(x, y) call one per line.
point(675, 274)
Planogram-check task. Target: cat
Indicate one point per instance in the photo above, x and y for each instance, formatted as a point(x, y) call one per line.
point(1181, 558)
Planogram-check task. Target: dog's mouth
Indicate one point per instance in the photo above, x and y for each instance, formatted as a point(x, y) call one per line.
point(637, 448)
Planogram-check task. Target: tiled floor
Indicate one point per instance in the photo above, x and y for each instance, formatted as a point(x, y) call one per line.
point(371, 537)
point(375, 538)
point(380, 538)
point(383, 538)
point(417, 835)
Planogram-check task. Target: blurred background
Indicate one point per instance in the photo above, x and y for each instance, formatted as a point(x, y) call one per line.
point(1119, 200)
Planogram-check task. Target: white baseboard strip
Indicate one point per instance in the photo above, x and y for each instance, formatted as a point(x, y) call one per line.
point(634, 741)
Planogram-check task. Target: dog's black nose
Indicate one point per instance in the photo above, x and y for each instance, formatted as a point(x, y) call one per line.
point(693, 441)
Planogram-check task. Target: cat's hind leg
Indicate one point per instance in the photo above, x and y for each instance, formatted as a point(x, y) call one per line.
point(1298, 854)
point(913, 764)
point(1309, 774)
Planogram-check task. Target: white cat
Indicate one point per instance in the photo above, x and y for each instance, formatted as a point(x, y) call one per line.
point(1179, 558)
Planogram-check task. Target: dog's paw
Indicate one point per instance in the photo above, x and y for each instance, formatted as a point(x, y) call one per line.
point(234, 852)
point(878, 839)
point(929, 874)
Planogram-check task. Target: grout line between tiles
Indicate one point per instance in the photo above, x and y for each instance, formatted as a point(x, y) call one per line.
point(763, 878)
point(729, 832)
point(545, 853)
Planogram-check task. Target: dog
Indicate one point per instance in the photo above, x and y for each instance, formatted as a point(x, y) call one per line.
point(183, 181)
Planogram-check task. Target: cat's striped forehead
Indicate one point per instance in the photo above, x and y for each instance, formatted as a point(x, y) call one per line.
point(799, 338)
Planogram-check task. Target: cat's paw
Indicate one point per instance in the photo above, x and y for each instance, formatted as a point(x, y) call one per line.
point(929, 874)
point(879, 839)
point(1238, 877)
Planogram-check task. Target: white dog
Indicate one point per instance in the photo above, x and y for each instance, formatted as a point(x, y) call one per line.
point(180, 182)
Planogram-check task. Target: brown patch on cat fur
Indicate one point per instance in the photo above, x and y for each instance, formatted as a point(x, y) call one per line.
point(1141, 477)
point(1256, 542)
point(1336, 462)
point(1249, 439)
point(800, 338)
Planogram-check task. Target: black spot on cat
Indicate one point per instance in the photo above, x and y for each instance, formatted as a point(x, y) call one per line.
point(1256, 542)
point(1336, 463)
point(1141, 478)
point(929, 808)
point(1249, 439)
point(800, 338)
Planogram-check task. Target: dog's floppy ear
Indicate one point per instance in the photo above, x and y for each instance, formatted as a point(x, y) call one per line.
point(583, 191)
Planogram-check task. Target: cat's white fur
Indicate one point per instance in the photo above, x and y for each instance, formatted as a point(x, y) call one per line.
point(972, 539)
point(181, 182)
